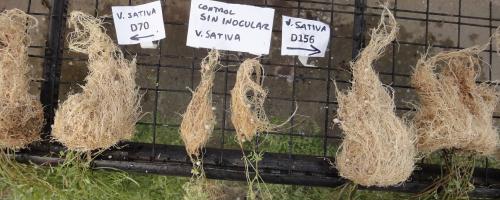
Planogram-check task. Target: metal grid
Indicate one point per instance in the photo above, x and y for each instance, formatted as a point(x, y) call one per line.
point(164, 74)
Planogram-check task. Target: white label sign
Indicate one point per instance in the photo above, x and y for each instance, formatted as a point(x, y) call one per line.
point(139, 24)
point(303, 37)
point(232, 27)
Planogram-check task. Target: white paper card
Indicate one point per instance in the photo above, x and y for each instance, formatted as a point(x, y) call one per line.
point(303, 37)
point(138, 24)
point(148, 45)
point(232, 27)
point(303, 60)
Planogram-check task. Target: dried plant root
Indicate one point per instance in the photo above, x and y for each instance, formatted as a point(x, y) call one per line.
point(197, 127)
point(21, 113)
point(378, 147)
point(249, 118)
point(454, 115)
point(454, 111)
point(107, 109)
point(247, 102)
point(199, 119)
point(496, 37)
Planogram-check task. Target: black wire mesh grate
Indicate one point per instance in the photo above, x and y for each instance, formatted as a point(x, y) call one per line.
point(300, 154)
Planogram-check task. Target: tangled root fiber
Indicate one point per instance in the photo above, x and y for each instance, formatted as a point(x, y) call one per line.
point(199, 119)
point(108, 107)
point(454, 111)
point(249, 118)
point(21, 113)
point(247, 102)
point(496, 37)
point(378, 147)
point(197, 127)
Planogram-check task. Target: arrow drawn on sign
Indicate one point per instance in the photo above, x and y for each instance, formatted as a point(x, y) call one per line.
point(136, 37)
point(314, 50)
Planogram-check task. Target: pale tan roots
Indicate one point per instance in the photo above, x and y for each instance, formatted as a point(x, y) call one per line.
point(199, 119)
point(247, 102)
point(21, 113)
point(378, 147)
point(107, 109)
point(454, 111)
point(496, 37)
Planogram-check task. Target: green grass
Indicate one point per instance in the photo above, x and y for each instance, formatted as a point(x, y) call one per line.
point(77, 182)
point(72, 179)
point(164, 135)
point(269, 143)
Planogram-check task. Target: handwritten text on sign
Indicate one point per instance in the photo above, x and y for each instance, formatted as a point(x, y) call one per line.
point(231, 27)
point(304, 37)
point(138, 24)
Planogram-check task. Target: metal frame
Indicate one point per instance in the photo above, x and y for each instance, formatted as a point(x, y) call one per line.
point(52, 67)
point(223, 163)
point(274, 168)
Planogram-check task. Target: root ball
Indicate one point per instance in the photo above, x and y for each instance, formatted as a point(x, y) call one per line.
point(454, 111)
point(21, 113)
point(247, 102)
point(107, 109)
point(199, 119)
point(378, 147)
